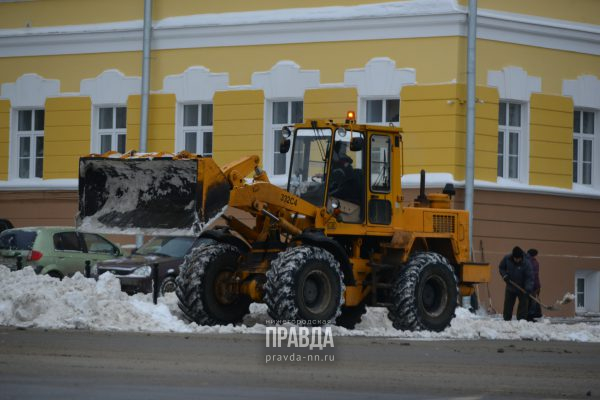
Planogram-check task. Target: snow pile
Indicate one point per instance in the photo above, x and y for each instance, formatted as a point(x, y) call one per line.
point(30, 300)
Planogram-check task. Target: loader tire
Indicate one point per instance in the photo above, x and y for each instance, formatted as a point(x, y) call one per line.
point(351, 316)
point(202, 288)
point(304, 285)
point(424, 294)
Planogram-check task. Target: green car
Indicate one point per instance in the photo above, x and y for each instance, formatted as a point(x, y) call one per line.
point(57, 251)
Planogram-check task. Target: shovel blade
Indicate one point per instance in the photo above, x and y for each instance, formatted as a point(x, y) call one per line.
point(154, 196)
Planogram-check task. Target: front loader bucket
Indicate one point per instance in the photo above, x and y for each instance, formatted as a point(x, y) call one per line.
point(153, 196)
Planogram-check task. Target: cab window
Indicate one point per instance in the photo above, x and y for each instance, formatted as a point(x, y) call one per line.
point(346, 179)
point(380, 163)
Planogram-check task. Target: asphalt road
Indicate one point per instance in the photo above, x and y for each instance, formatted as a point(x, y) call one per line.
point(39, 364)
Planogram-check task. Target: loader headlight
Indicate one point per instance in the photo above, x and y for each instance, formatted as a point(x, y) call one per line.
point(142, 272)
point(286, 132)
point(335, 204)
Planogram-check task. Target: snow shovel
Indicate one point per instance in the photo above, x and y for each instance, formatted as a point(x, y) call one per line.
point(566, 299)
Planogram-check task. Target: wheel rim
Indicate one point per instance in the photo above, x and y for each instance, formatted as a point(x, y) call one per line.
point(316, 292)
point(168, 286)
point(223, 290)
point(434, 296)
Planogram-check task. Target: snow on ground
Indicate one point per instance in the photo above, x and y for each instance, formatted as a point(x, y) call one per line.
point(39, 301)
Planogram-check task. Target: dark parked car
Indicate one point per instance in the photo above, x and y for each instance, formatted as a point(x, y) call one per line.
point(135, 271)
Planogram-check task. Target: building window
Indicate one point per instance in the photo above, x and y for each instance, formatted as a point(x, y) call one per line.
point(580, 293)
point(112, 129)
point(587, 292)
point(382, 111)
point(197, 128)
point(30, 142)
point(283, 113)
point(583, 143)
point(510, 130)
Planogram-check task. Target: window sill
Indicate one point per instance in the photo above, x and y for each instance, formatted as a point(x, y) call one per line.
point(39, 184)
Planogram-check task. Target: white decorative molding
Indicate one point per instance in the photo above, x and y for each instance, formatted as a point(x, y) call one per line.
point(111, 87)
point(380, 78)
point(195, 84)
point(514, 83)
point(285, 81)
point(30, 90)
point(585, 91)
point(536, 31)
point(394, 20)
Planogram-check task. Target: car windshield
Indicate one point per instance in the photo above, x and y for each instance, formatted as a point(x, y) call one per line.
point(167, 246)
point(17, 240)
point(308, 171)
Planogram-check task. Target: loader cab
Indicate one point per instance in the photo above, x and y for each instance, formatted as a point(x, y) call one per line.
point(328, 168)
point(345, 167)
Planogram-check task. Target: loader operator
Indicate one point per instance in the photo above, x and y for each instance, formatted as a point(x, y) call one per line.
point(344, 183)
point(516, 270)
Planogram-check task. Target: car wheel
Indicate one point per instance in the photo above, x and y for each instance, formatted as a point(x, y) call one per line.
point(168, 285)
point(55, 274)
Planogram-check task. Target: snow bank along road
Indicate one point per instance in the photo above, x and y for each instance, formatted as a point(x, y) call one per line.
point(32, 301)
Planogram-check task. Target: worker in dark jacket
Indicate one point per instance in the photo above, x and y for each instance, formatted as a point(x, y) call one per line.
point(515, 268)
point(535, 310)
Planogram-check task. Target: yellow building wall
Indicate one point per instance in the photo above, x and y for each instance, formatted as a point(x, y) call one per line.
point(434, 122)
point(237, 125)
point(4, 137)
point(43, 12)
point(553, 66)
point(67, 135)
point(331, 59)
point(486, 133)
point(551, 141)
point(161, 122)
point(329, 104)
point(429, 116)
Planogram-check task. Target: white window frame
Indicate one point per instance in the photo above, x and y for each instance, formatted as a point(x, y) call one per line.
point(591, 291)
point(580, 137)
point(270, 146)
point(114, 132)
point(523, 142)
point(33, 134)
point(362, 110)
point(200, 130)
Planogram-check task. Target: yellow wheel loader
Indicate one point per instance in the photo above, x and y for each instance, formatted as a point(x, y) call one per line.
point(337, 240)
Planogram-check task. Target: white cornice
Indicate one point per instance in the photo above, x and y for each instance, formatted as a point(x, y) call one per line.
point(538, 32)
point(405, 19)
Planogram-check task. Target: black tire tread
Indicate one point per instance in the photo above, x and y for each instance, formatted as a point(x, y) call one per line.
point(404, 312)
point(190, 282)
point(280, 285)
